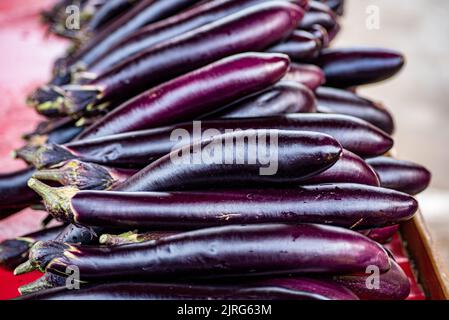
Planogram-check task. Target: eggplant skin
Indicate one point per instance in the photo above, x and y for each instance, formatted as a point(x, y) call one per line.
point(220, 252)
point(346, 205)
point(276, 289)
point(14, 192)
point(404, 176)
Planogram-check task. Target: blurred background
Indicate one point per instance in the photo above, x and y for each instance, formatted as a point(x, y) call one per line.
point(418, 97)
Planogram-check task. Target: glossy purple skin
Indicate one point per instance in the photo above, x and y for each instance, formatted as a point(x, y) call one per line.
point(299, 156)
point(345, 205)
point(393, 284)
point(309, 75)
point(349, 67)
point(332, 100)
point(276, 289)
point(300, 46)
point(404, 176)
point(253, 29)
point(15, 251)
point(142, 147)
point(110, 10)
point(220, 252)
point(14, 192)
point(283, 98)
point(166, 29)
point(194, 94)
point(349, 169)
point(146, 12)
point(382, 235)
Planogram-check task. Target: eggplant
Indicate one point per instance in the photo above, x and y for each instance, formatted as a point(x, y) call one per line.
point(332, 100)
point(300, 46)
point(84, 176)
point(268, 249)
point(346, 205)
point(321, 15)
point(252, 29)
point(393, 284)
point(275, 289)
point(307, 74)
point(241, 159)
point(350, 67)
point(142, 147)
point(194, 94)
point(153, 34)
point(15, 251)
point(283, 98)
point(404, 176)
point(350, 168)
point(14, 192)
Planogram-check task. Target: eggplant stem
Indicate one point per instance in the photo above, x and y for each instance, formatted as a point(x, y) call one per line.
point(24, 268)
point(57, 200)
point(40, 284)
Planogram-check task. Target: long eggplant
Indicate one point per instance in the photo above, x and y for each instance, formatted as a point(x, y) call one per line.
point(309, 75)
point(332, 100)
point(273, 289)
point(220, 252)
point(252, 29)
point(348, 169)
point(283, 98)
point(194, 94)
point(301, 46)
point(347, 205)
point(251, 158)
point(141, 148)
point(14, 192)
point(349, 67)
point(392, 285)
point(404, 176)
point(15, 251)
point(153, 34)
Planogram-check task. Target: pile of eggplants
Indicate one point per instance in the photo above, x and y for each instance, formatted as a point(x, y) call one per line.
point(211, 150)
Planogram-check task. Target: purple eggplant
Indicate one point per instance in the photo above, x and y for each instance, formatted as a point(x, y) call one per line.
point(283, 98)
point(220, 252)
point(15, 251)
point(14, 192)
point(401, 175)
point(346, 205)
point(320, 14)
point(146, 12)
point(350, 168)
point(252, 29)
point(194, 94)
point(141, 148)
point(392, 285)
point(251, 158)
point(300, 46)
point(332, 100)
point(309, 75)
point(84, 176)
point(153, 34)
point(349, 67)
point(275, 289)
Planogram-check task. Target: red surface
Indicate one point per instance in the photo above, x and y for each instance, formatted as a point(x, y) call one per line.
point(26, 57)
